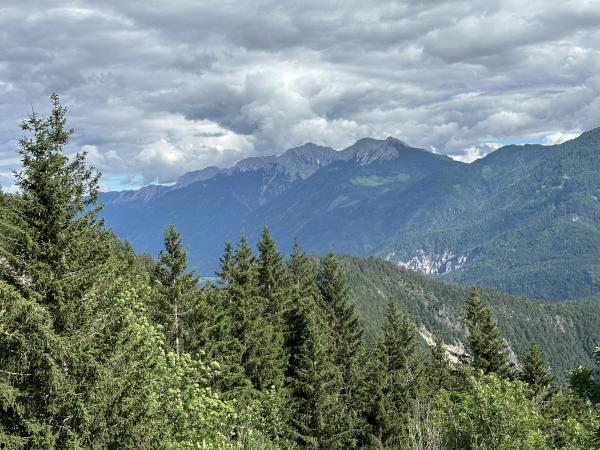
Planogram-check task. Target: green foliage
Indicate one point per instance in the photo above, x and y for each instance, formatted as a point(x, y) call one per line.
point(177, 291)
point(566, 332)
point(495, 413)
point(583, 382)
point(317, 386)
point(492, 414)
point(347, 337)
point(488, 352)
point(394, 378)
point(535, 371)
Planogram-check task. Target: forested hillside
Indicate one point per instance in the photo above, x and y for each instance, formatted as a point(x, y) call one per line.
point(566, 331)
point(103, 348)
point(523, 219)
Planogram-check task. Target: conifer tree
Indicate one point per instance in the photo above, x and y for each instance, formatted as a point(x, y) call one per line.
point(263, 356)
point(316, 386)
point(488, 351)
point(395, 379)
point(178, 291)
point(347, 338)
point(304, 297)
point(61, 243)
point(536, 371)
point(339, 312)
point(315, 382)
point(226, 265)
point(73, 354)
point(273, 275)
point(439, 375)
point(274, 283)
point(52, 260)
point(583, 383)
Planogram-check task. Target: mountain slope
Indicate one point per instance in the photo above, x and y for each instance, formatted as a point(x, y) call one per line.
point(566, 331)
point(524, 219)
point(302, 183)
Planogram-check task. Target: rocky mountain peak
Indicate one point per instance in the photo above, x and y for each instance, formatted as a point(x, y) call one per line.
point(197, 175)
point(305, 160)
point(253, 163)
point(367, 150)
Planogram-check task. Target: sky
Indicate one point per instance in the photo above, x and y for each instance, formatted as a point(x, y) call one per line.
point(159, 88)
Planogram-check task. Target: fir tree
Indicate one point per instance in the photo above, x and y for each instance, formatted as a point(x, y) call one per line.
point(439, 375)
point(304, 297)
point(316, 386)
point(339, 312)
point(488, 351)
point(75, 359)
point(61, 244)
point(273, 275)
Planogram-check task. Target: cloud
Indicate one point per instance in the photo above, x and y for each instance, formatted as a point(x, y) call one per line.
point(475, 152)
point(559, 137)
point(155, 89)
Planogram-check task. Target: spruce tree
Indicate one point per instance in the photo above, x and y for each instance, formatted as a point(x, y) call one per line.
point(314, 380)
point(61, 244)
point(439, 374)
point(274, 286)
point(52, 259)
point(304, 297)
point(75, 359)
point(273, 275)
point(339, 312)
point(178, 289)
point(488, 351)
point(226, 264)
point(347, 338)
point(394, 380)
point(536, 371)
point(263, 356)
point(316, 386)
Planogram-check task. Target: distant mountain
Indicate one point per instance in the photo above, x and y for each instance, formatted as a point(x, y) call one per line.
point(524, 219)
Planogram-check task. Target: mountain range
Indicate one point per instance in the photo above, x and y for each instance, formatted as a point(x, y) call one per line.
point(524, 219)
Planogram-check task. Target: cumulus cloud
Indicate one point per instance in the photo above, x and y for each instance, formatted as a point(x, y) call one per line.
point(155, 88)
point(559, 137)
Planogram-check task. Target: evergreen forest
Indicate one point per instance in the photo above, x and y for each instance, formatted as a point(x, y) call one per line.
point(103, 348)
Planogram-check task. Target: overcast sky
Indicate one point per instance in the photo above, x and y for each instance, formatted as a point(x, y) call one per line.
point(159, 88)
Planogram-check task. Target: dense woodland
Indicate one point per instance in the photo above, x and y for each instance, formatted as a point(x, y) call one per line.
point(566, 331)
point(102, 348)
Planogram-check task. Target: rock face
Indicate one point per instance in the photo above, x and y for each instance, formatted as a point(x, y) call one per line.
point(367, 150)
point(454, 352)
point(431, 263)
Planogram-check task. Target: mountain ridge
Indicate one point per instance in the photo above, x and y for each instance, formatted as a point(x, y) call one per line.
point(523, 219)
point(301, 161)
